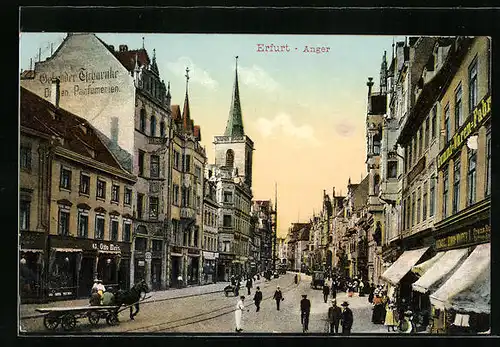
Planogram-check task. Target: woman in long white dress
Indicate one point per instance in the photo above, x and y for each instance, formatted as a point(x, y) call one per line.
point(238, 313)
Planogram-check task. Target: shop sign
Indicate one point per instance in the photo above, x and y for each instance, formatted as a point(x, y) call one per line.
point(105, 247)
point(208, 255)
point(60, 293)
point(482, 110)
point(193, 251)
point(140, 263)
point(225, 257)
point(472, 235)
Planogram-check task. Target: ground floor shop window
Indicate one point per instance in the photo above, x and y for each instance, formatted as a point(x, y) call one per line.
point(30, 275)
point(62, 270)
point(139, 270)
point(86, 275)
point(176, 271)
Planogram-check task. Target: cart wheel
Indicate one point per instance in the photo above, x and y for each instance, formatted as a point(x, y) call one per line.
point(51, 321)
point(93, 317)
point(68, 322)
point(112, 318)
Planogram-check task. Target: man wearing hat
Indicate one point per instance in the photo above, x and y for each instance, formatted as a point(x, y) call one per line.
point(278, 296)
point(305, 309)
point(347, 319)
point(334, 315)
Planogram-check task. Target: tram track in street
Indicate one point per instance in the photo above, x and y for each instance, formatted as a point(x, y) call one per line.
point(200, 317)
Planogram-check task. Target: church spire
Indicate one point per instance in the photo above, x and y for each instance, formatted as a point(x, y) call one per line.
point(185, 112)
point(234, 127)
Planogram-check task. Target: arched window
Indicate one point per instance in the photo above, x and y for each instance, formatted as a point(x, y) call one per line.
point(376, 144)
point(153, 126)
point(376, 184)
point(142, 121)
point(229, 158)
point(162, 128)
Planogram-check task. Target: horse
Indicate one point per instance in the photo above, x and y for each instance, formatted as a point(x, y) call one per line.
point(131, 297)
point(123, 297)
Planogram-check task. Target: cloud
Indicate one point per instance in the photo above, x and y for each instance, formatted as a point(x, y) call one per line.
point(255, 76)
point(283, 124)
point(196, 73)
point(345, 129)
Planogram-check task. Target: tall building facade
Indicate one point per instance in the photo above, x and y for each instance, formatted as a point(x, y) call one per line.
point(232, 172)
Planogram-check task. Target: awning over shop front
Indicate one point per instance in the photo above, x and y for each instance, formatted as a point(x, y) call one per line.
point(67, 250)
point(440, 271)
point(30, 250)
point(469, 288)
point(422, 268)
point(405, 262)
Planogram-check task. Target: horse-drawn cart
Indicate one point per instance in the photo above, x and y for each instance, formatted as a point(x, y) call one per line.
point(68, 316)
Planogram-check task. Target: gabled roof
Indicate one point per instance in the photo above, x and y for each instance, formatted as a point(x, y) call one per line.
point(176, 113)
point(78, 135)
point(197, 132)
point(127, 58)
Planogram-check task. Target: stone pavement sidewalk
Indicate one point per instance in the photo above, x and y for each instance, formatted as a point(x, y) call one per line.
point(28, 310)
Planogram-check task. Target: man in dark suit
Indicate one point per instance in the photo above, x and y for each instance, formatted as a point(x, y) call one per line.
point(334, 315)
point(326, 292)
point(278, 296)
point(305, 310)
point(257, 298)
point(347, 319)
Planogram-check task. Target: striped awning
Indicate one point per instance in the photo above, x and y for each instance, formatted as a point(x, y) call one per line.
point(440, 271)
point(469, 288)
point(422, 268)
point(403, 265)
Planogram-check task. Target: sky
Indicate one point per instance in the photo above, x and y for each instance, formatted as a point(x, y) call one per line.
point(304, 111)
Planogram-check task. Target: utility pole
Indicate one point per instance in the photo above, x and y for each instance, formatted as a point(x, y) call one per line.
point(275, 223)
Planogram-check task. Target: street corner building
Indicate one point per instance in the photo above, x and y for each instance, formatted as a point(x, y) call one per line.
point(75, 205)
point(127, 107)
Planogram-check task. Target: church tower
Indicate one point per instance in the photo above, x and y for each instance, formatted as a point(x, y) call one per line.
point(234, 150)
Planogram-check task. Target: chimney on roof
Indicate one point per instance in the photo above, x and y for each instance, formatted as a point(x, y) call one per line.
point(123, 48)
point(55, 92)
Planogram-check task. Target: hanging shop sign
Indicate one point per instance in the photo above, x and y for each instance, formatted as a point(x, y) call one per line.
point(474, 122)
point(471, 235)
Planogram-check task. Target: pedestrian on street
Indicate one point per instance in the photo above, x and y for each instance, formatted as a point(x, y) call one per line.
point(372, 293)
point(278, 296)
point(296, 279)
point(237, 289)
point(326, 292)
point(347, 319)
point(239, 313)
point(179, 281)
point(249, 285)
point(305, 310)
point(334, 290)
point(390, 318)
point(257, 298)
point(233, 280)
point(334, 315)
point(361, 288)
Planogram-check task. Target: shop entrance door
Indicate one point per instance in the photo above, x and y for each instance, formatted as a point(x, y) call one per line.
point(86, 279)
point(156, 274)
